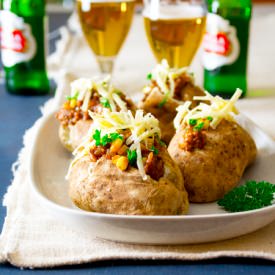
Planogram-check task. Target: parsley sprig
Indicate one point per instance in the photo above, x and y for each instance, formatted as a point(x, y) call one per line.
point(104, 140)
point(252, 195)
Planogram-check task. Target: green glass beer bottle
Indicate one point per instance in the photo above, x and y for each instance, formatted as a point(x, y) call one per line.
point(225, 46)
point(23, 46)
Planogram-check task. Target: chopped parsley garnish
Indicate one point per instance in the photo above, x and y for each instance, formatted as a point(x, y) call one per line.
point(105, 102)
point(96, 137)
point(115, 136)
point(154, 150)
point(199, 126)
point(132, 156)
point(161, 104)
point(108, 138)
point(149, 76)
point(252, 195)
point(105, 140)
point(210, 118)
point(192, 122)
point(75, 96)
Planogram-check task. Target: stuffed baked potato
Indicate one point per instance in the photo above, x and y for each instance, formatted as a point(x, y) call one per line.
point(125, 169)
point(211, 149)
point(87, 95)
point(167, 90)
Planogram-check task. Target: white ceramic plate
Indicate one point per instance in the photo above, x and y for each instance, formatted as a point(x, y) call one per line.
point(204, 223)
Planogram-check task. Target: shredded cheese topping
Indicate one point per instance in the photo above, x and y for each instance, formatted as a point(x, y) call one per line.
point(218, 109)
point(82, 89)
point(142, 127)
point(163, 75)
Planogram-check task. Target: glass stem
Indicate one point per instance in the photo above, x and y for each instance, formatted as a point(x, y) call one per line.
point(106, 64)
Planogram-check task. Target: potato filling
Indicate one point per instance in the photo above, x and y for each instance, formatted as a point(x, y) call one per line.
point(91, 95)
point(173, 83)
point(113, 146)
point(71, 112)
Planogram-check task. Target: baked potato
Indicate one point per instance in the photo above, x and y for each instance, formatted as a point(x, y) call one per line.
point(167, 90)
point(87, 95)
point(127, 171)
point(211, 151)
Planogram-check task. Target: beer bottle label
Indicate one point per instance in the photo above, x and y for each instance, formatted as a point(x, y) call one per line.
point(220, 44)
point(17, 41)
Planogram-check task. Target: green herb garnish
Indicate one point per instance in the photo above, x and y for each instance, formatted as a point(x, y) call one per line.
point(252, 195)
point(105, 102)
point(108, 138)
point(210, 118)
point(115, 136)
point(154, 150)
point(105, 140)
point(149, 76)
point(199, 126)
point(192, 122)
point(132, 156)
point(161, 104)
point(96, 137)
point(75, 96)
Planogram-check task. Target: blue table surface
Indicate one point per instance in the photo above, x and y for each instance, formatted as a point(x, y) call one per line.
point(18, 113)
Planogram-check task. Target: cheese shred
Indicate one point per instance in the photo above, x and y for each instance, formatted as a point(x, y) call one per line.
point(165, 78)
point(82, 89)
point(143, 127)
point(216, 107)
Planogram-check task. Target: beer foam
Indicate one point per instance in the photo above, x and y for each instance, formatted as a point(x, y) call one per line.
point(184, 10)
point(86, 4)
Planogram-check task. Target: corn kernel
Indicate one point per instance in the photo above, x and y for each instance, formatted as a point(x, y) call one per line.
point(115, 158)
point(206, 124)
point(66, 105)
point(122, 163)
point(116, 144)
point(72, 103)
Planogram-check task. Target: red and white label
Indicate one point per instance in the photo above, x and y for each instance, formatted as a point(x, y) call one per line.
point(220, 44)
point(17, 41)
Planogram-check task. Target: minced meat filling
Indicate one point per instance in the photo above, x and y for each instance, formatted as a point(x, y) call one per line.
point(154, 166)
point(71, 111)
point(192, 139)
point(184, 88)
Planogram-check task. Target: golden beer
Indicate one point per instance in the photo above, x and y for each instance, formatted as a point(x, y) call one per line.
point(175, 39)
point(105, 24)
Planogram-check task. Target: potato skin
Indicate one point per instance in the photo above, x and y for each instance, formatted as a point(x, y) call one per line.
point(72, 135)
point(107, 189)
point(211, 172)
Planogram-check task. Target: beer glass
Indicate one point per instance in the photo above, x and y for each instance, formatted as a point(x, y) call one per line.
point(174, 29)
point(105, 25)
